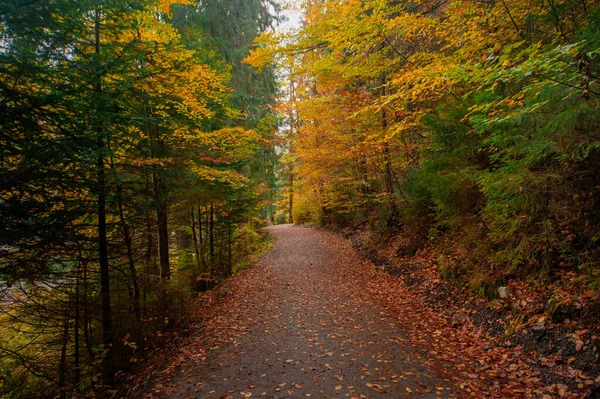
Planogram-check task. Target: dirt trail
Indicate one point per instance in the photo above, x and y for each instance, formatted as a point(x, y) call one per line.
point(299, 324)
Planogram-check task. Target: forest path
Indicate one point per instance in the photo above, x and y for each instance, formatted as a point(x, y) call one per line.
point(299, 324)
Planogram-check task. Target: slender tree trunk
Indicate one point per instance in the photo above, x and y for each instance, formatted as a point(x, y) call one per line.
point(87, 329)
point(76, 355)
point(163, 235)
point(365, 190)
point(161, 217)
point(294, 127)
point(221, 241)
point(128, 245)
point(321, 202)
point(108, 370)
point(200, 225)
point(229, 239)
point(291, 199)
point(160, 202)
point(81, 266)
point(389, 177)
point(211, 233)
point(104, 271)
point(130, 261)
point(148, 264)
point(387, 161)
point(206, 244)
point(62, 369)
point(149, 243)
point(201, 239)
point(195, 238)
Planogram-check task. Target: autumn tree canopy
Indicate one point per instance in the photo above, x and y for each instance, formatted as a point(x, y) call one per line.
point(462, 120)
point(144, 143)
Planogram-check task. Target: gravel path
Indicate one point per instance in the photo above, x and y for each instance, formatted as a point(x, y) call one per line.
point(299, 324)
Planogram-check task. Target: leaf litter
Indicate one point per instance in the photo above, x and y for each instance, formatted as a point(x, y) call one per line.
point(314, 318)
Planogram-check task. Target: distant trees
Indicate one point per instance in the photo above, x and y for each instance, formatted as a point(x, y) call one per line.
point(126, 171)
point(470, 123)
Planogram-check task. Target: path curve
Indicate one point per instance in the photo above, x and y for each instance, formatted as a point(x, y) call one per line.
point(298, 324)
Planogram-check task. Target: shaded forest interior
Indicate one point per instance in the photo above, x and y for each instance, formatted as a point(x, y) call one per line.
point(144, 145)
point(137, 156)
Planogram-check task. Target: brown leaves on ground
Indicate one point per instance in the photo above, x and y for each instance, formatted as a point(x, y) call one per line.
point(313, 318)
point(485, 363)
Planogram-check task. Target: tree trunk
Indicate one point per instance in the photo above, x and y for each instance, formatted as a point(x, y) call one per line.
point(161, 219)
point(387, 161)
point(211, 233)
point(62, 368)
point(76, 361)
point(108, 370)
point(221, 241)
point(229, 240)
point(87, 329)
point(195, 238)
point(147, 255)
point(291, 199)
point(128, 245)
point(81, 266)
point(201, 240)
point(388, 175)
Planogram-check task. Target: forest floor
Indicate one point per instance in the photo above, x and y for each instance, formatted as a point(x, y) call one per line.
point(314, 318)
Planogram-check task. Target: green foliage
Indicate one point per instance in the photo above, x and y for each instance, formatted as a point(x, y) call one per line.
point(252, 241)
point(120, 111)
point(443, 187)
point(516, 157)
point(230, 28)
point(306, 213)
